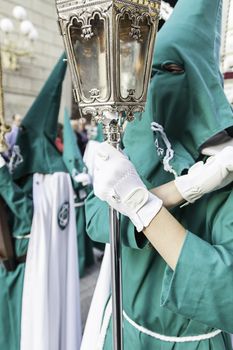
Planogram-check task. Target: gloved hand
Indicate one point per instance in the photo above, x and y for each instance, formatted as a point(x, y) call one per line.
point(2, 161)
point(116, 181)
point(83, 178)
point(203, 178)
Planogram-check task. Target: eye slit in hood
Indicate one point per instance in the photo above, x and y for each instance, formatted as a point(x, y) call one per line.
point(168, 66)
point(172, 67)
point(22, 128)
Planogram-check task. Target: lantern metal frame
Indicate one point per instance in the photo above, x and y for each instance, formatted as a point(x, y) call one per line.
point(111, 12)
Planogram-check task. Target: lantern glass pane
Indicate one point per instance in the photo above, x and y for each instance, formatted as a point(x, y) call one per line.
point(134, 43)
point(89, 48)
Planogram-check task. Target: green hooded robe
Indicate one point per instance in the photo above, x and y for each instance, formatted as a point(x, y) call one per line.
point(34, 152)
point(186, 109)
point(19, 210)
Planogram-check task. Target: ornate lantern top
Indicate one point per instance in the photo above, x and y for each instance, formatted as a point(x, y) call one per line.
point(109, 44)
point(65, 8)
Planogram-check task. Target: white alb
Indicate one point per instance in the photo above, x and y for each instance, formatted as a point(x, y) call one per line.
point(51, 302)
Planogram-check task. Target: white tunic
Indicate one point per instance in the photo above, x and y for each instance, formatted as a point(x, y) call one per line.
point(51, 302)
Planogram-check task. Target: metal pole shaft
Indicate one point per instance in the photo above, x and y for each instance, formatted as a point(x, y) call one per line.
point(115, 239)
point(113, 134)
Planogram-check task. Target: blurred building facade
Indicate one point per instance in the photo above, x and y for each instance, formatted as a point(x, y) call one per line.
point(227, 48)
point(21, 86)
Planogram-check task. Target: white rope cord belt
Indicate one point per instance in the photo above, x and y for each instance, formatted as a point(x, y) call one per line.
point(106, 321)
point(171, 339)
point(80, 204)
point(22, 237)
point(107, 317)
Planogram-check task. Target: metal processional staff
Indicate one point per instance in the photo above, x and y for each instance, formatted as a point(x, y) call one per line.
point(109, 46)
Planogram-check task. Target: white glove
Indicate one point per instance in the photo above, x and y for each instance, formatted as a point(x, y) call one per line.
point(116, 181)
point(83, 178)
point(203, 178)
point(2, 161)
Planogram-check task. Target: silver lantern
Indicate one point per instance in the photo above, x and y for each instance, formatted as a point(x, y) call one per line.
point(109, 46)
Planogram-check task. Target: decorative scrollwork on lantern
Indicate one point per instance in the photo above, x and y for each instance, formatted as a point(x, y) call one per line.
point(87, 32)
point(135, 32)
point(98, 112)
point(95, 93)
point(131, 93)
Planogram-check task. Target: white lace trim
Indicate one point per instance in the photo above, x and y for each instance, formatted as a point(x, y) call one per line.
point(169, 151)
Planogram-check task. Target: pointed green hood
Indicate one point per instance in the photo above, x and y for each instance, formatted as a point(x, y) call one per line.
point(71, 155)
point(190, 105)
point(38, 130)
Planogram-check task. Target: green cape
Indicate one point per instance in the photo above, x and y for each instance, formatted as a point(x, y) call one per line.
point(36, 142)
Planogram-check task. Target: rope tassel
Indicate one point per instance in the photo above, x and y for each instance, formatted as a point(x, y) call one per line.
point(156, 127)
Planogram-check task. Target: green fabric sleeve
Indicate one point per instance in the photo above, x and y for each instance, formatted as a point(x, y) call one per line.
point(19, 204)
point(97, 216)
point(201, 287)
